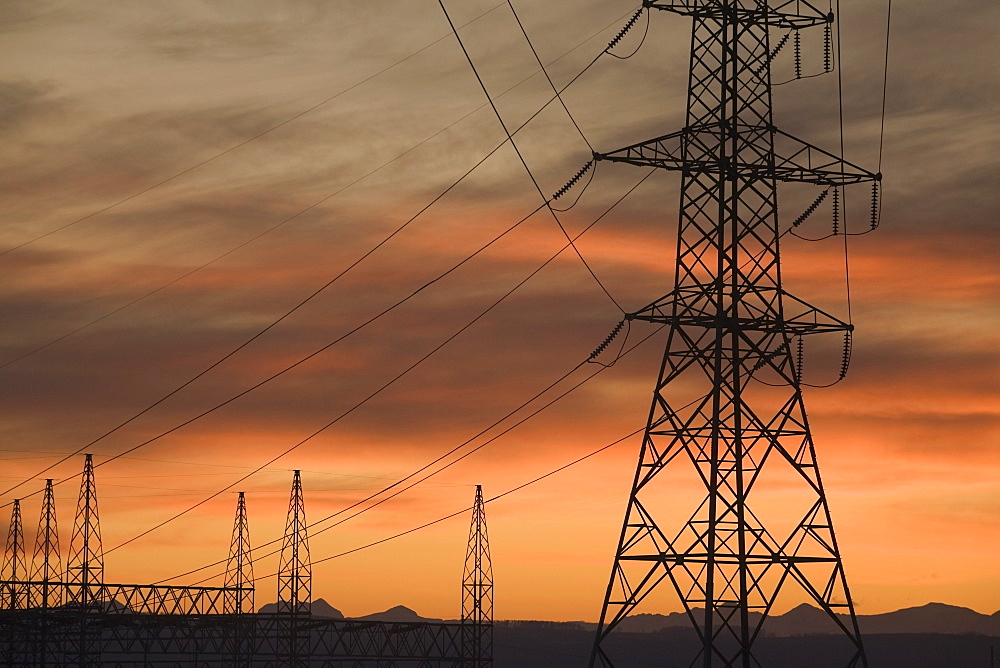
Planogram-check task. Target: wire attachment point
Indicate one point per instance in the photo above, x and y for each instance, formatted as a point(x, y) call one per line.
point(572, 182)
point(628, 26)
point(876, 206)
point(810, 209)
point(607, 342)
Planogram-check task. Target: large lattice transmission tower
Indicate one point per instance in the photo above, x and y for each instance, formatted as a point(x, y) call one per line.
point(239, 567)
point(47, 562)
point(295, 566)
point(15, 594)
point(477, 591)
point(727, 507)
point(85, 564)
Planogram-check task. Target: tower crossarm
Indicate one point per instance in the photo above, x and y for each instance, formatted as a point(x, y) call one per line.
point(691, 150)
point(789, 14)
point(797, 317)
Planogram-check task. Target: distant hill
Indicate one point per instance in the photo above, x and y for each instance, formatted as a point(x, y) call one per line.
point(803, 620)
point(397, 614)
point(807, 620)
point(320, 608)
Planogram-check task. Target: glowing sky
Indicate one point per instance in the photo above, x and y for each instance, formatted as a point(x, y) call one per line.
point(101, 101)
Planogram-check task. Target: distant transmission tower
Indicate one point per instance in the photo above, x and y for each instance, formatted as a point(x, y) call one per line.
point(239, 568)
point(47, 562)
point(15, 596)
point(477, 591)
point(294, 581)
point(238, 602)
point(85, 565)
point(727, 507)
point(295, 567)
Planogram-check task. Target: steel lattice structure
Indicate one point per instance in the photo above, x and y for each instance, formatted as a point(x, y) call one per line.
point(14, 567)
point(47, 562)
point(727, 432)
point(85, 565)
point(477, 591)
point(81, 621)
point(294, 581)
point(51, 637)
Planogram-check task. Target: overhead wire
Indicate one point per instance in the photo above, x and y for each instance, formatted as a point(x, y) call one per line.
point(840, 110)
point(494, 498)
point(465, 510)
point(520, 156)
point(333, 194)
point(245, 141)
point(292, 310)
point(547, 77)
point(276, 374)
point(373, 394)
point(628, 26)
point(312, 526)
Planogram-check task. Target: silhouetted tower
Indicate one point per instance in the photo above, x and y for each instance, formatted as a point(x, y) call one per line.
point(294, 582)
point(238, 601)
point(14, 569)
point(477, 591)
point(727, 508)
point(239, 568)
point(85, 563)
point(295, 567)
point(47, 562)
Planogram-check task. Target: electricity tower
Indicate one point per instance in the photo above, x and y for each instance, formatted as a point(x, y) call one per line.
point(477, 592)
point(47, 563)
point(16, 595)
point(85, 565)
point(295, 581)
point(727, 508)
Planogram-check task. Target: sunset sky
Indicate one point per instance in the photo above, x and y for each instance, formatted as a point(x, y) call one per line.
point(203, 168)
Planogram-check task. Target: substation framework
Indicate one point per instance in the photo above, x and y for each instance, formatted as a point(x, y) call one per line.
point(727, 508)
point(72, 617)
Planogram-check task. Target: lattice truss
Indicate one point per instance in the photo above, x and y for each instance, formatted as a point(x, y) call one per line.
point(727, 508)
point(54, 637)
point(477, 591)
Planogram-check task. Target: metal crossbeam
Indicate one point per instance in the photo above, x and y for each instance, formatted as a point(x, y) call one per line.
point(789, 14)
point(792, 161)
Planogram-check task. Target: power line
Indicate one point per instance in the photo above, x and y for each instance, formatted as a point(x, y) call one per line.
point(242, 143)
point(547, 77)
point(322, 200)
point(513, 144)
point(282, 371)
point(302, 303)
point(465, 510)
point(455, 449)
point(373, 394)
point(885, 83)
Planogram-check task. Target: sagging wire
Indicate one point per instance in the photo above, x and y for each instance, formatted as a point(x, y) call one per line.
point(546, 73)
point(302, 303)
point(837, 214)
point(628, 26)
point(313, 526)
point(797, 366)
point(829, 55)
point(845, 362)
point(520, 156)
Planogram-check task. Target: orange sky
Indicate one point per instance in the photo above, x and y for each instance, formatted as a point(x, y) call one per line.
point(98, 105)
